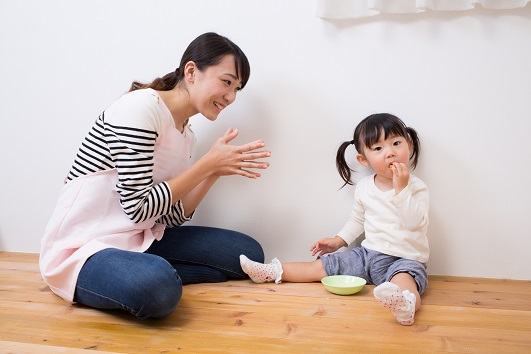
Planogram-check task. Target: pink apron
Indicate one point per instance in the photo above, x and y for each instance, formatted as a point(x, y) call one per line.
point(89, 218)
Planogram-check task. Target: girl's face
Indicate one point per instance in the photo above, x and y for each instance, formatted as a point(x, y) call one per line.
point(384, 153)
point(214, 89)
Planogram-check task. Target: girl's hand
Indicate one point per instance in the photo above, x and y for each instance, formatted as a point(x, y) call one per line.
point(400, 176)
point(237, 160)
point(327, 245)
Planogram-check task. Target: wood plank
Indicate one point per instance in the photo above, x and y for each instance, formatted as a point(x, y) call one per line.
point(459, 315)
point(25, 348)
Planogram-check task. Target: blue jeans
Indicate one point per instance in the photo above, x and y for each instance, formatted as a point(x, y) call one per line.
point(149, 284)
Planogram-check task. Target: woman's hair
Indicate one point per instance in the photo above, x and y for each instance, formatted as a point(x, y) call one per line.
point(368, 132)
point(206, 50)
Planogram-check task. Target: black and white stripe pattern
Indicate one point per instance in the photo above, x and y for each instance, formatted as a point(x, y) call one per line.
point(129, 150)
point(93, 155)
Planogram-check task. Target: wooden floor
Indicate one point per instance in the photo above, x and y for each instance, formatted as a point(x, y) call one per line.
point(459, 315)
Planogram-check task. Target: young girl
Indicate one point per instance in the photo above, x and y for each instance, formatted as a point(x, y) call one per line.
point(390, 206)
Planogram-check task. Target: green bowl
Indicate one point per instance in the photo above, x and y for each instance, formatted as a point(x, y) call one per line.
point(343, 284)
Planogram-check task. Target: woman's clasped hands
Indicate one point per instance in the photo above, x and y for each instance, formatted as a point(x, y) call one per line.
point(237, 159)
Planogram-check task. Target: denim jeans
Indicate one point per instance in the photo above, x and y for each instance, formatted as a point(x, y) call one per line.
point(149, 284)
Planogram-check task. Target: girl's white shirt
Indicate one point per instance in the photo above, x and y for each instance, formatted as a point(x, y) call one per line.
point(394, 224)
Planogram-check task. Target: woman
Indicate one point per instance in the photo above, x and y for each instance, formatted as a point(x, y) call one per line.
point(114, 240)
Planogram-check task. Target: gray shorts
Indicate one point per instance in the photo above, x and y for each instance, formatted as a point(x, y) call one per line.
point(375, 267)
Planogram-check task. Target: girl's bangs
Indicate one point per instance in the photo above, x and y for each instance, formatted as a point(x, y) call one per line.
point(373, 132)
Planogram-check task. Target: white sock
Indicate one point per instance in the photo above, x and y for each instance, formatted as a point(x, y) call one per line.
point(400, 303)
point(261, 273)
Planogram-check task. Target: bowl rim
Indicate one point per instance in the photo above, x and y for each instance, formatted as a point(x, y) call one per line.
point(359, 281)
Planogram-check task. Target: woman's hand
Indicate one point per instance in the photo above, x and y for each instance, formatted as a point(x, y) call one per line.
point(221, 160)
point(400, 176)
point(237, 160)
point(327, 245)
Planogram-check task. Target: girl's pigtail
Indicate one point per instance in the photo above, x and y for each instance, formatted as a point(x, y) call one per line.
point(342, 167)
point(415, 150)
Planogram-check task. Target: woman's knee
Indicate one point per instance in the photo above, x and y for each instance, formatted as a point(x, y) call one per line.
point(159, 293)
point(163, 304)
point(144, 285)
point(247, 245)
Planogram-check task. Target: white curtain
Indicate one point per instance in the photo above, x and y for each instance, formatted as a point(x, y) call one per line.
point(338, 9)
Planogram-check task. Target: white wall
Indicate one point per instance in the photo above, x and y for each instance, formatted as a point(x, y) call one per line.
point(463, 80)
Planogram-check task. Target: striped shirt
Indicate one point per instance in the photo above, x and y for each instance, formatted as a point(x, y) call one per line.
point(125, 141)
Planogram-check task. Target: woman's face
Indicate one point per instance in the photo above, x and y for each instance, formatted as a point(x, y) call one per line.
point(212, 90)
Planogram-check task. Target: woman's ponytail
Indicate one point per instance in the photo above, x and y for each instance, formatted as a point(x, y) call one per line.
point(165, 83)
